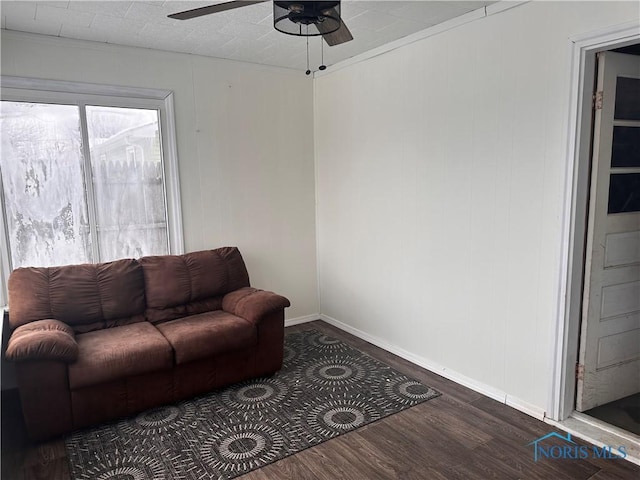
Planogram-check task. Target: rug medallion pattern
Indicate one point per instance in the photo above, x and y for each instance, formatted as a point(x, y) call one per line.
point(325, 388)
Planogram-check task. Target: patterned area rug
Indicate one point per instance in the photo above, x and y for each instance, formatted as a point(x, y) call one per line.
point(326, 388)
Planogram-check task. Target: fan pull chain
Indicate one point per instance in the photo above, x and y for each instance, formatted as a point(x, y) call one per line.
point(323, 66)
point(308, 72)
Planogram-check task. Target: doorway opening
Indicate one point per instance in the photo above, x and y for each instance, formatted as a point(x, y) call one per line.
point(608, 373)
point(582, 355)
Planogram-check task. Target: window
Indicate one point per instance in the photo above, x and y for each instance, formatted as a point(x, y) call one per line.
point(86, 177)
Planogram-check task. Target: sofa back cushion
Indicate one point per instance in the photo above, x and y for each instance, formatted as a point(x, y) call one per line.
point(191, 283)
point(86, 297)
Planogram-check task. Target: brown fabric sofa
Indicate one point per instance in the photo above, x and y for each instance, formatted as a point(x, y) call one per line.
point(97, 342)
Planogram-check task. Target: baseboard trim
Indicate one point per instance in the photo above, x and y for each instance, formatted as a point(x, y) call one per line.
point(298, 320)
point(441, 370)
point(525, 407)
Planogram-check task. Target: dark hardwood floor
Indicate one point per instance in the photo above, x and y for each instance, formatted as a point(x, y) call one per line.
point(459, 435)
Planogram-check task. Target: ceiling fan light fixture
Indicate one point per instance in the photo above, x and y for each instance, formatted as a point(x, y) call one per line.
point(296, 8)
point(289, 17)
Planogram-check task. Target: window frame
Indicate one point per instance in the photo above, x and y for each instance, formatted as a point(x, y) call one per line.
point(20, 89)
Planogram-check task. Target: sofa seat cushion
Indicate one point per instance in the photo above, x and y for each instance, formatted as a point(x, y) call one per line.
point(115, 353)
point(208, 334)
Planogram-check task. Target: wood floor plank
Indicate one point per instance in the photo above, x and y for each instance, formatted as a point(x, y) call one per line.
point(57, 469)
point(340, 462)
point(476, 467)
point(619, 467)
point(361, 458)
point(44, 453)
point(444, 421)
point(509, 415)
point(424, 446)
point(520, 459)
point(607, 475)
point(491, 425)
point(322, 462)
point(295, 466)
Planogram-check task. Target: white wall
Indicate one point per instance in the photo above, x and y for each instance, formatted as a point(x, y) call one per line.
point(245, 148)
point(440, 175)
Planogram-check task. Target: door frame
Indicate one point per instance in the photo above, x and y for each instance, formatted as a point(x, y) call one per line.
point(565, 333)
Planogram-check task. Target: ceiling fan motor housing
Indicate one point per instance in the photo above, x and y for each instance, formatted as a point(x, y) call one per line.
point(306, 19)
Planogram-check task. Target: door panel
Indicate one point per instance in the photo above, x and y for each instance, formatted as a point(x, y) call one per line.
point(618, 348)
point(622, 249)
point(610, 334)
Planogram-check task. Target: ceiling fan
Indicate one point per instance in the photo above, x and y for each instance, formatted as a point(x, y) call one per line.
point(300, 18)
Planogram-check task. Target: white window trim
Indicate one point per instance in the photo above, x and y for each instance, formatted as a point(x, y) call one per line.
point(55, 91)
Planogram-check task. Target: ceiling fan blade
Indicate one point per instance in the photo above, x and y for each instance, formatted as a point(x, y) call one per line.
point(220, 7)
point(342, 35)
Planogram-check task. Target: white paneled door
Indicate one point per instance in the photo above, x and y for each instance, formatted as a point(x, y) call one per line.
point(609, 365)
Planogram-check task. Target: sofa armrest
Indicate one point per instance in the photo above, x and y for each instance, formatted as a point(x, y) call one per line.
point(253, 304)
point(43, 340)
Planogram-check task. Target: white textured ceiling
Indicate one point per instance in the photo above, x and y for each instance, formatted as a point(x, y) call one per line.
point(244, 34)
